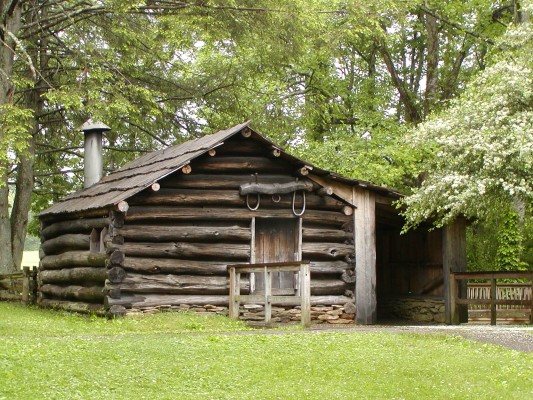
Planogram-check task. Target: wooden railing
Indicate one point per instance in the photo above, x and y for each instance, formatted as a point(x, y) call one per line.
point(499, 295)
point(20, 286)
point(508, 291)
point(302, 297)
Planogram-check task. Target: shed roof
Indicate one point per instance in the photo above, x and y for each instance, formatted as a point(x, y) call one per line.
point(151, 167)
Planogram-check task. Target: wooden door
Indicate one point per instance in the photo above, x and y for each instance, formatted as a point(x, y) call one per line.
point(276, 240)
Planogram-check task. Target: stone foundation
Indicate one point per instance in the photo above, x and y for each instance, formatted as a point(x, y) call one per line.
point(417, 309)
point(320, 314)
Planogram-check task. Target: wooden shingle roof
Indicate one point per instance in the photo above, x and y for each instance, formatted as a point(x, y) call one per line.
point(151, 167)
point(139, 174)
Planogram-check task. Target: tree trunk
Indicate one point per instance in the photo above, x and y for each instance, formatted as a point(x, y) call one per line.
point(11, 22)
point(22, 202)
point(432, 62)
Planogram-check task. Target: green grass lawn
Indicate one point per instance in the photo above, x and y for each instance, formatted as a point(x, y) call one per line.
point(53, 355)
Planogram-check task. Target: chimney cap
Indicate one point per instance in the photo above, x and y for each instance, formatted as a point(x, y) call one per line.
point(91, 125)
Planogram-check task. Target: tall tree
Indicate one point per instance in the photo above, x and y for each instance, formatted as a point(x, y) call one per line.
point(482, 146)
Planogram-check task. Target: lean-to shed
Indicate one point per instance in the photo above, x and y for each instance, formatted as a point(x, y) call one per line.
point(160, 232)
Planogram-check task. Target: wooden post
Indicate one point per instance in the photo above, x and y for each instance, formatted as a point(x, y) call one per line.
point(365, 256)
point(234, 292)
point(268, 293)
point(454, 260)
point(454, 316)
point(26, 285)
point(493, 300)
point(305, 293)
point(531, 309)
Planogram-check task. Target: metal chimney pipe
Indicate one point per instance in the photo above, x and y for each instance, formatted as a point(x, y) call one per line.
point(93, 162)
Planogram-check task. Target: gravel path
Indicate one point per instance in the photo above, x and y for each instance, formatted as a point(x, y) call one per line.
point(515, 337)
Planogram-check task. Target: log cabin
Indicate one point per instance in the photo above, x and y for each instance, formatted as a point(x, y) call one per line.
point(161, 231)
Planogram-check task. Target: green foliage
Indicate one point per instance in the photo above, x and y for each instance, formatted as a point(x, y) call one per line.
point(483, 144)
point(170, 364)
point(15, 123)
point(510, 245)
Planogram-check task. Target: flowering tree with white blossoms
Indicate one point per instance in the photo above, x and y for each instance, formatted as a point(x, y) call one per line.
point(482, 145)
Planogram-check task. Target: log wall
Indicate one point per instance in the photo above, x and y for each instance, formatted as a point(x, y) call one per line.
point(173, 244)
point(71, 274)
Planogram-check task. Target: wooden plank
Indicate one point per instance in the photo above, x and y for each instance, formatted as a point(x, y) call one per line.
point(234, 291)
point(305, 294)
point(494, 275)
point(268, 293)
point(365, 255)
point(344, 192)
point(493, 302)
point(497, 302)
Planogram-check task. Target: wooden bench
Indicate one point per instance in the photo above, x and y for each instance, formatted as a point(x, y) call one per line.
point(302, 297)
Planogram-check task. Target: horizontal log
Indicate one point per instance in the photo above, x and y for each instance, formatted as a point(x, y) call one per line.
point(8, 295)
point(231, 198)
point(174, 266)
point(329, 235)
point(186, 250)
point(62, 216)
point(85, 225)
point(153, 300)
point(226, 181)
point(275, 188)
point(72, 259)
point(66, 242)
point(241, 164)
point(11, 281)
point(73, 275)
point(320, 250)
point(239, 148)
point(74, 306)
point(74, 292)
point(140, 213)
point(176, 284)
point(329, 267)
point(151, 233)
point(177, 266)
point(329, 287)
